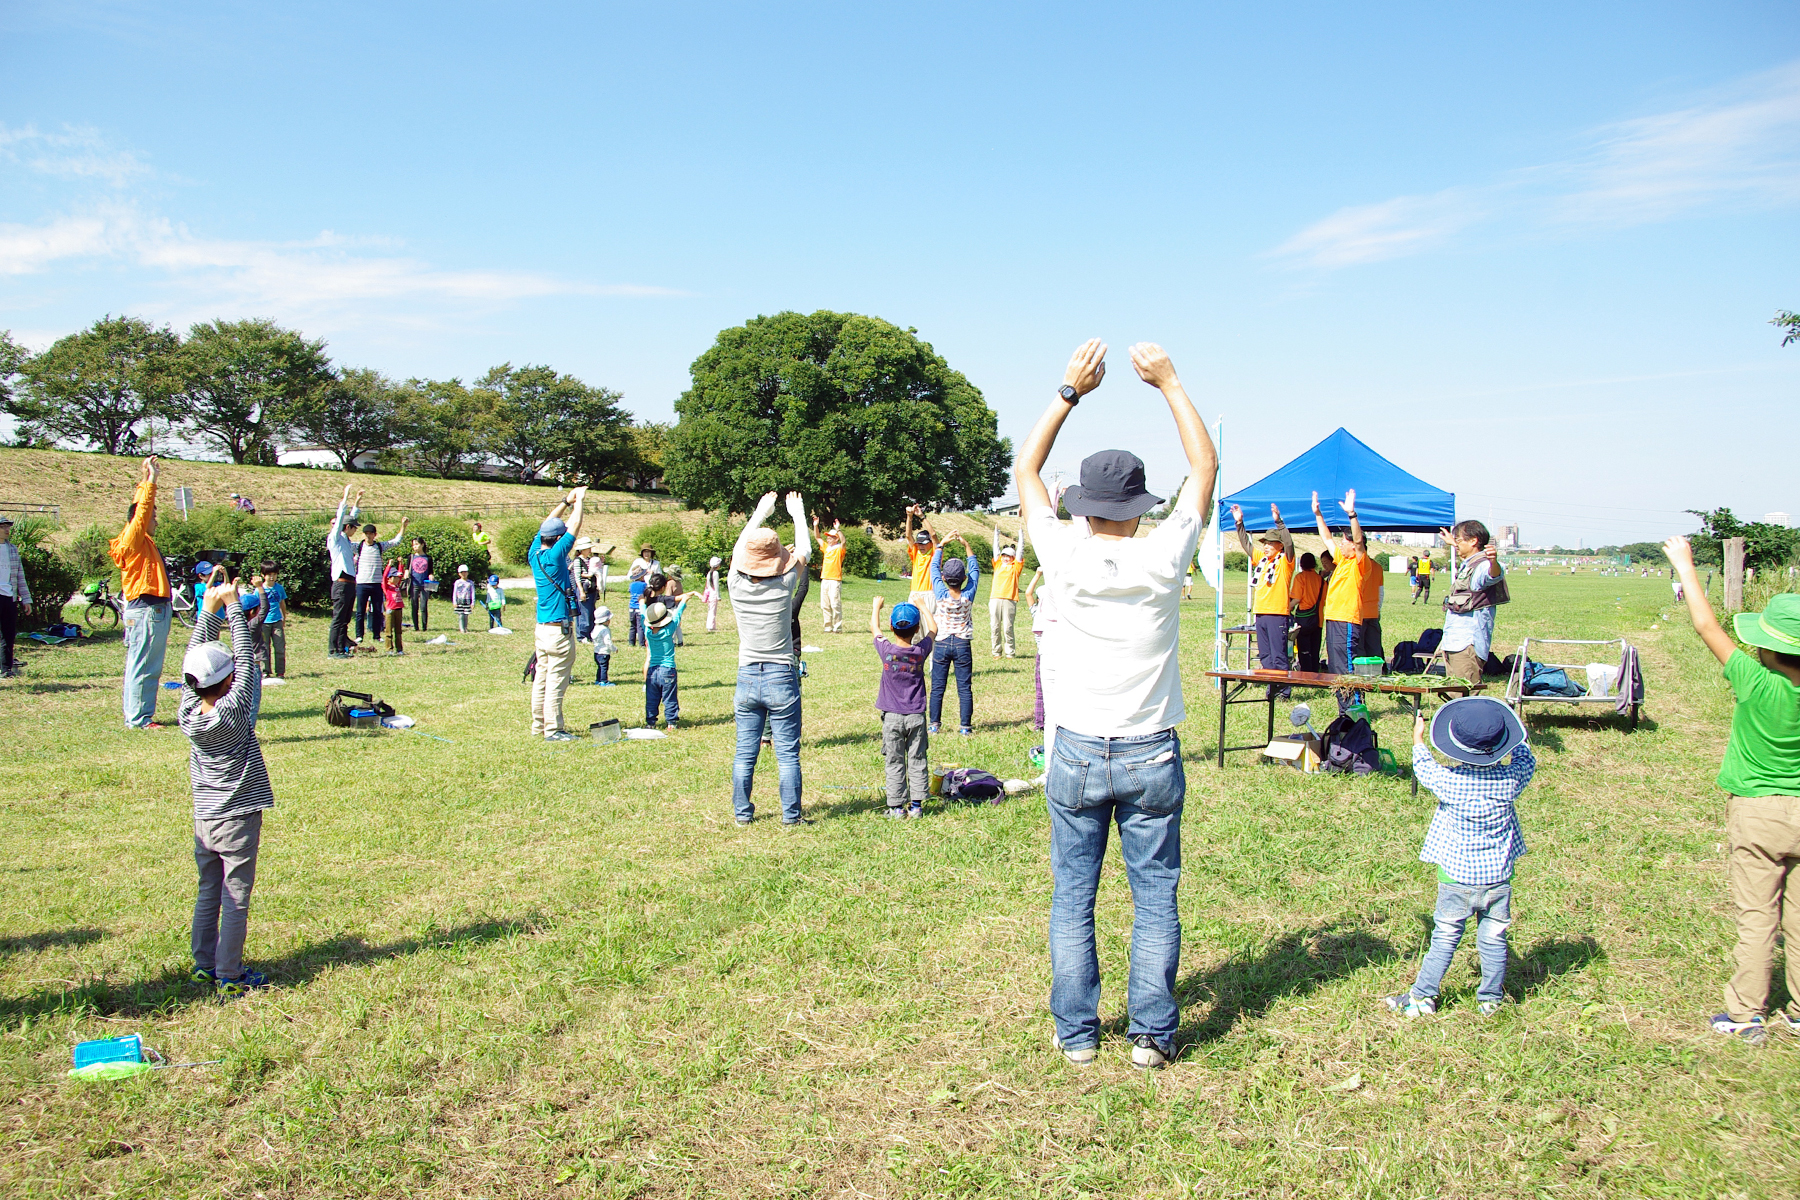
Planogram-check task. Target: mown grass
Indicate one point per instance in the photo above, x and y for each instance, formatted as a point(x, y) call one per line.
point(514, 969)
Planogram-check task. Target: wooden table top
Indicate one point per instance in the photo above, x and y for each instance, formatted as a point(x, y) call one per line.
point(1364, 683)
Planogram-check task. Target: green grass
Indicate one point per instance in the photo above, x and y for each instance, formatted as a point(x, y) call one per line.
point(514, 969)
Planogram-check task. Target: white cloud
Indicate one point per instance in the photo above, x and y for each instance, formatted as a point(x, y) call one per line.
point(78, 152)
point(1738, 149)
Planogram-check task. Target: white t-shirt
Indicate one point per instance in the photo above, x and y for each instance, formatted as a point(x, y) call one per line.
point(1117, 624)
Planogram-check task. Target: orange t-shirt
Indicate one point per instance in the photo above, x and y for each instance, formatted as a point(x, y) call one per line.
point(1372, 578)
point(1305, 590)
point(1343, 595)
point(920, 557)
point(1272, 574)
point(833, 566)
point(134, 552)
point(1006, 578)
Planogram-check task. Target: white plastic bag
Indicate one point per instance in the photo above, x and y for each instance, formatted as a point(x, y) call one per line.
point(1601, 678)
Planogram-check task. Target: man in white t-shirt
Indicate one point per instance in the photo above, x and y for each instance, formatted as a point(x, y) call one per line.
point(1114, 701)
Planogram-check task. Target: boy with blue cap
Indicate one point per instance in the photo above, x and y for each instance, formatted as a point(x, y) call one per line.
point(1474, 839)
point(1761, 775)
point(901, 702)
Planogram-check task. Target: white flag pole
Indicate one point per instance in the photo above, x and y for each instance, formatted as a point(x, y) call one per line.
point(1218, 552)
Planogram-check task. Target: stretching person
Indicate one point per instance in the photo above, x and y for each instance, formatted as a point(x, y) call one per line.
point(15, 595)
point(1469, 608)
point(342, 553)
point(1343, 590)
point(1003, 603)
point(371, 562)
point(1273, 574)
point(953, 583)
point(555, 616)
point(1371, 588)
point(144, 580)
point(418, 577)
point(831, 575)
point(711, 593)
point(764, 577)
point(921, 548)
point(1115, 757)
point(1306, 591)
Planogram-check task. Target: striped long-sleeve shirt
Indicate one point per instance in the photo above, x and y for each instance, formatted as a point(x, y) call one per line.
point(12, 574)
point(225, 763)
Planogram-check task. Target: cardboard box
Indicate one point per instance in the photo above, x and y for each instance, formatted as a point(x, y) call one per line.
point(1300, 751)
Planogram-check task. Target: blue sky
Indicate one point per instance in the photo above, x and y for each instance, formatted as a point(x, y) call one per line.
point(1526, 253)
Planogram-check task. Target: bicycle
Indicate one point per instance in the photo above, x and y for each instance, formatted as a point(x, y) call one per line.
point(104, 609)
point(181, 595)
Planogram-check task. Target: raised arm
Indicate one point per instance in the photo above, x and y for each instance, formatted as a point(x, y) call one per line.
point(1319, 519)
point(1700, 610)
point(1154, 368)
point(1237, 518)
point(764, 507)
point(579, 500)
point(802, 543)
point(875, 617)
point(1084, 373)
point(1356, 536)
point(1281, 531)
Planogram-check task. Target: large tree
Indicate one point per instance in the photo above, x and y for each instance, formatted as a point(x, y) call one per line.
point(858, 414)
point(95, 387)
point(239, 378)
point(543, 425)
point(649, 450)
point(443, 421)
point(1765, 544)
point(350, 415)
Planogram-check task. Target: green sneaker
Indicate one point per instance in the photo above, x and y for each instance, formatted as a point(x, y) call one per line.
point(1410, 1006)
point(243, 984)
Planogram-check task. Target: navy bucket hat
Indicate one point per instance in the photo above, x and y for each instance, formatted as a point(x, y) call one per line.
point(1478, 730)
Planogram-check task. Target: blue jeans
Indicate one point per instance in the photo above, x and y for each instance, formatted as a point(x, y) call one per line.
point(1491, 906)
point(584, 617)
point(767, 694)
point(146, 642)
point(945, 652)
point(1340, 648)
point(1139, 783)
point(659, 690)
point(369, 604)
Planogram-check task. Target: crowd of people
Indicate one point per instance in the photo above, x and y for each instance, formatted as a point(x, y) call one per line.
point(1106, 615)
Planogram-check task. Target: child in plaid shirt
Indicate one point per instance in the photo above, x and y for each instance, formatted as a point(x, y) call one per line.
point(1474, 839)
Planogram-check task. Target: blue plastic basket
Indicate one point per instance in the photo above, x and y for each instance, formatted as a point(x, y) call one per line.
point(127, 1049)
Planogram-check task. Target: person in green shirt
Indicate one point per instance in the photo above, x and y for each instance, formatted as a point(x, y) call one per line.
point(1761, 771)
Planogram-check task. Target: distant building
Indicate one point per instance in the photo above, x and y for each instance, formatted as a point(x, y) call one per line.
point(319, 456)
point(1509, 537)
point(1778, 518)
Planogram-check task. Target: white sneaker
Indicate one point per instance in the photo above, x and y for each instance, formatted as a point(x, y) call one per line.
point(1081, 1057)
point(1146, 1055)
point(559, 735)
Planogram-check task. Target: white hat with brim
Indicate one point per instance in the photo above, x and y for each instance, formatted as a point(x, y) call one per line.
point(584, 543)
point(206, 664)
point(764, 555)
point(658, 614)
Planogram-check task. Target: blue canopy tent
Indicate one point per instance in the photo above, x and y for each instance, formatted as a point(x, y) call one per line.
point(1387, 498)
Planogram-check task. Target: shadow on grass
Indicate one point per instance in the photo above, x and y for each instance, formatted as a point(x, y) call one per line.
point(289, 713)
point(1546, 960)
point(851, 801)
point(1246, 987)
point(38, 689)
point(172, 990)
point(1540, 722)
point(49, 938)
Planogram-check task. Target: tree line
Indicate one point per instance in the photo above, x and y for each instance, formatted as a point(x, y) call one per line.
point(240, 387)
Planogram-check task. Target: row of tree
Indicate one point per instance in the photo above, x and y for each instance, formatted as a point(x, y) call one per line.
point(239, 387)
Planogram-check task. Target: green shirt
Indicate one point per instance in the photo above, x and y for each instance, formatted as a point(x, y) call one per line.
point(1763, 756)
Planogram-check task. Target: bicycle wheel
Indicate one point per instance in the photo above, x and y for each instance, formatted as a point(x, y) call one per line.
point(184, 615)
point(102, 616)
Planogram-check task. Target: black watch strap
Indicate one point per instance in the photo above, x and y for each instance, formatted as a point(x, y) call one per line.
point(1069, 394)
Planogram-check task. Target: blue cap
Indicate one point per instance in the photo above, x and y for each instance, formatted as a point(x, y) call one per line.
point(553, 527)
point(493, 579)
point(904, 618)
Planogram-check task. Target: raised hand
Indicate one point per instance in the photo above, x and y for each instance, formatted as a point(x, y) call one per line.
point(1317, 511)
point(1679, 552)
point(150, 468)
point(878, 603)
point(1275, 511)
point(1153, 365)
point(1350, 503)
point(1449, 538)
point(1087, 366)
point(1237, 513)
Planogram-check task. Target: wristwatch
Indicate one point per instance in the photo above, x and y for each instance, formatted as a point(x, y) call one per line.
point(1068, 393)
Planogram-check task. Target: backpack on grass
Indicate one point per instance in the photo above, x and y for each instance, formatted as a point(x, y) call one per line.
point(1351, 747)
point(974, 785)
point(337, 709)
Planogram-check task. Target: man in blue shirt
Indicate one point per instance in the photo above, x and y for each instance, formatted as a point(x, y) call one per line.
point(555, 616)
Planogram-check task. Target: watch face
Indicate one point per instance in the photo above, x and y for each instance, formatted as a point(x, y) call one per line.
point(1068, 393)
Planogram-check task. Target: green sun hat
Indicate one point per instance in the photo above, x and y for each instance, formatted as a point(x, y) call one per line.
point(1776, 627)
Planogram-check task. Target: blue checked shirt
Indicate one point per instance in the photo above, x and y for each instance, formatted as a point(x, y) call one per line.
point(1475, 835)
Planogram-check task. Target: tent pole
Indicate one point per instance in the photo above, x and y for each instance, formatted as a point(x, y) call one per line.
point(1219, 592)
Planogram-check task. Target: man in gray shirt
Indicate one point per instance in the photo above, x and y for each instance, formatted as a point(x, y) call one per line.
point(763, 577)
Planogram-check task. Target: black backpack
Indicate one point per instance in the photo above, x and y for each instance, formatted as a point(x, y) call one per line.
point(529, 675)
point(1351, 747)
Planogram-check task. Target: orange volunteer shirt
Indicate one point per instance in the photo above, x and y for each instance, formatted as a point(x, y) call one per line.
point(134, 552)
point(1305, 590)
point(920, 557)
point(1370, 586)
point(833, 566)
point(1006, 578)
point(1343, 595)
point(1272, 575)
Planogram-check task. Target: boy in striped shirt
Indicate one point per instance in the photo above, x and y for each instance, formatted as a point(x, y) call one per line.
point(219, 707)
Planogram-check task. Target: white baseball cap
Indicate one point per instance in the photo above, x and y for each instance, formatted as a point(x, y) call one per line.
point(206, 664)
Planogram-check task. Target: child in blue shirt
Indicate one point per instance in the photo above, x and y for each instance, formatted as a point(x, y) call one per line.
point(1474, 839)
point(271, 640)
point(660, 681)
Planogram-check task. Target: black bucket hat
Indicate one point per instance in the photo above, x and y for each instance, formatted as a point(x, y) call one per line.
point(1111, 488)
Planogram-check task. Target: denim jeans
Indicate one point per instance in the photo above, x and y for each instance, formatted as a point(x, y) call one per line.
point(601, 663)
point(1138, 783)
point(767, 694)
point(660, 691)
point(369, 604)
point(1491, 905)
point(146, 642)
point(947, 651)
point(584, 617)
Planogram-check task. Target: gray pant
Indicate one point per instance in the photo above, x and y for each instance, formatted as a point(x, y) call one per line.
point(904, 743)
point(225, 852)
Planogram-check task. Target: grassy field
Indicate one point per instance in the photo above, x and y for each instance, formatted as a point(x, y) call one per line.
point(507, 968)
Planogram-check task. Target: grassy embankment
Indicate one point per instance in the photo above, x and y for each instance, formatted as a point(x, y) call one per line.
point(513, 969)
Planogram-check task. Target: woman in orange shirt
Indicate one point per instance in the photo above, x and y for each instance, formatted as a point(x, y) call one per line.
point(1368, 637)
point(1306, 591)
point(1343, 594)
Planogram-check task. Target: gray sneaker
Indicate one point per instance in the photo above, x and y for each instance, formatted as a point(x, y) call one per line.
point(1146, 1055)
point(559, 735)
point(1081, 1056)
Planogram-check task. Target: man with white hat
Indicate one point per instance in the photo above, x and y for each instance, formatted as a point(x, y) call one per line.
point(15, 595)
point(586, 595)
point(1003, 603)
point(555, 616)
point(764, 578)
